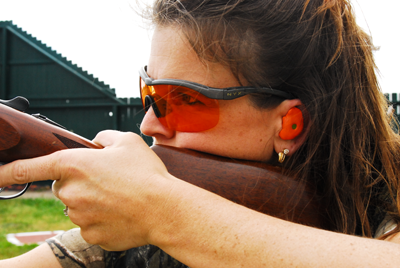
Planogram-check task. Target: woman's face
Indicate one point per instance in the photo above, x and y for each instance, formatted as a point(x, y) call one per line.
point(243, 131)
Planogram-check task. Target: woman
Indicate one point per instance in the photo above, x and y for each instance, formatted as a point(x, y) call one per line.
point(313, 52)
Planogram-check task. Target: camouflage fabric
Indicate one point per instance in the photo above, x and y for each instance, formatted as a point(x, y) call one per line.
point(72, 251)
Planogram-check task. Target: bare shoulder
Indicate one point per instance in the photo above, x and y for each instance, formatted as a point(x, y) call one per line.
point(40, 257)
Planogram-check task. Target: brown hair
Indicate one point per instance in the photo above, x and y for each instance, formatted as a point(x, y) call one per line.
point(314, 50)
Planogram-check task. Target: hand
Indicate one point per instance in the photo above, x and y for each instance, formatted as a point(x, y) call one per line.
point(113, 194)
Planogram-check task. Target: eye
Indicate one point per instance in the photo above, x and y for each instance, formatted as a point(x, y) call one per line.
point(188, 99)
point(184, 96)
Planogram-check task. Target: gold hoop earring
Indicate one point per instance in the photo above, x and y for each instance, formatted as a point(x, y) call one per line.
point(282, 155)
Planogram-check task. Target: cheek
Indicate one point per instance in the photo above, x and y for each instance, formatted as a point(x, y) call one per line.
point(245, 133)
point(249, 134)
point(230, 141)
point(239, 122)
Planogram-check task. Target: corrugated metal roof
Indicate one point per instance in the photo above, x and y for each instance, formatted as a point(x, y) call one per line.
point(18, 53)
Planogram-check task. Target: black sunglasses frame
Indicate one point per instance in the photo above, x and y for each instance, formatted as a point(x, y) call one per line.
point(229, 93)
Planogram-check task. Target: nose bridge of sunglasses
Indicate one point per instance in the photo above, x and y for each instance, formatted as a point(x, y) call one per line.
point(149, 101)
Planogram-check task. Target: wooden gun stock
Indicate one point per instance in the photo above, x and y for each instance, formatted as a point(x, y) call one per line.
point(255, 185)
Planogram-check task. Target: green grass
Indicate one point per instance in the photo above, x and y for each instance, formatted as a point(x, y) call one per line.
point(29, 215)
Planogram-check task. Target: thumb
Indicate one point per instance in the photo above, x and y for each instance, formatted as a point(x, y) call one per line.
point(107, 138)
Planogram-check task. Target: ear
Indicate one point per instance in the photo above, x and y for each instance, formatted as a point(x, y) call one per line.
point(293, 129)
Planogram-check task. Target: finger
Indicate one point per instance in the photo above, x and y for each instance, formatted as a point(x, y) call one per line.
point(30, 170)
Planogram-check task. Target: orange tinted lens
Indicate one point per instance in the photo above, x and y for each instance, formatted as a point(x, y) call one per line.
point(161, 104)
point(190, 111)
point(183, 109)
point(144, 91)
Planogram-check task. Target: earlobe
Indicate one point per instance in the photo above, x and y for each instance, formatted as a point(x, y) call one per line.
point(292, 124)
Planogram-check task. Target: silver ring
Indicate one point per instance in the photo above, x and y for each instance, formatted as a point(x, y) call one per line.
point(66, 211)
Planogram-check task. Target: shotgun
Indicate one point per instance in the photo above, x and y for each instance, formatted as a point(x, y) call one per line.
point(256, 185)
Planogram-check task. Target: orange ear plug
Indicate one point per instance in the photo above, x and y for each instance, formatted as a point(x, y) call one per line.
point(292, 124)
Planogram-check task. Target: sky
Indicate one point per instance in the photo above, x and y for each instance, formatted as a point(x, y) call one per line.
point(109, 40)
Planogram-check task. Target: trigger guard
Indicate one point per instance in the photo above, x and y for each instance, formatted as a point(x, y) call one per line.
point(15, 195)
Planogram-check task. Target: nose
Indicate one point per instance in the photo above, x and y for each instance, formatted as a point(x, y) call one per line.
point(151, 126)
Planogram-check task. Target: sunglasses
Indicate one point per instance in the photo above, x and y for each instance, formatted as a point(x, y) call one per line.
point(187, 106)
